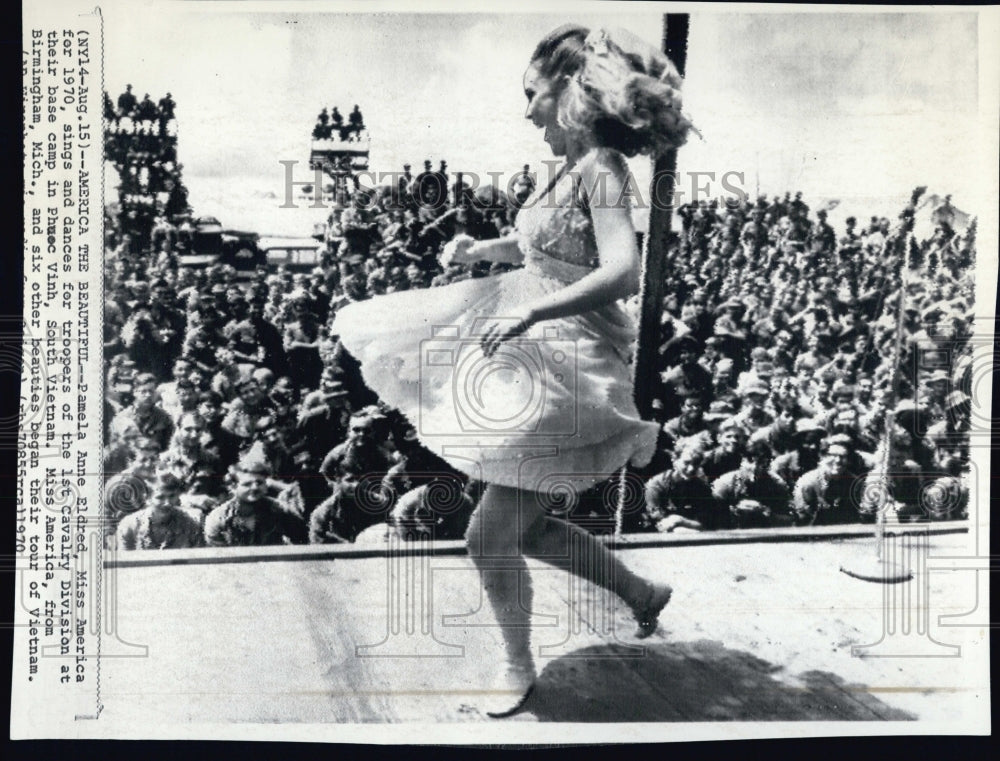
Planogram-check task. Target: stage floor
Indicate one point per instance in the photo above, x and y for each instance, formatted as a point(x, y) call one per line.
point(756, 631)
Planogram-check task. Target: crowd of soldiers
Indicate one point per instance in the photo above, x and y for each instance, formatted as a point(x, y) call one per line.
point(140, 142)
point(332, 123)
point(786, 358)
point(130, 107)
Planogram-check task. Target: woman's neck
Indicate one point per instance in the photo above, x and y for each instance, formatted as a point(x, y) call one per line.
point(575, 150)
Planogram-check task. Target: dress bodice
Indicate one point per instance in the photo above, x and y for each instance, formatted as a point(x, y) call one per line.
point(554, 224)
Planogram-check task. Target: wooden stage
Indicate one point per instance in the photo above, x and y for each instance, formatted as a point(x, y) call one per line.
point(763, 626)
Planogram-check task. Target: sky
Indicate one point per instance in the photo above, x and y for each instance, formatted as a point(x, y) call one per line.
point(856, 106)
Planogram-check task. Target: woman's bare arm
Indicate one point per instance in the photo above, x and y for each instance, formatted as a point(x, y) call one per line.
point(616, 278)
point(501, 250)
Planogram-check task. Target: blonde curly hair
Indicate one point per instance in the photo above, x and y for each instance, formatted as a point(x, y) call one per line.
point(618, 89)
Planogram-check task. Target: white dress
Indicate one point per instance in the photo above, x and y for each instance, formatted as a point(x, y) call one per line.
point(552, 409)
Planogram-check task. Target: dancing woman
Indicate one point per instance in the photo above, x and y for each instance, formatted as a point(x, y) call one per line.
point(448, 357)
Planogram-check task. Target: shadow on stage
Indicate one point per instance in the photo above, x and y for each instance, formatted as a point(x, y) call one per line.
point(693, 681)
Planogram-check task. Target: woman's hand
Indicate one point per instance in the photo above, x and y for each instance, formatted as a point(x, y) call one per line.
point(459, 250)
point(504, 329)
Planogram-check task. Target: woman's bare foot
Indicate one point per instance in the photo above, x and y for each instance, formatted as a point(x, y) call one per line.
point(648, 612)
point(511, 692)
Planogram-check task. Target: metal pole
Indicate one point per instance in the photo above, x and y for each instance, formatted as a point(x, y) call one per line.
point(881, 570)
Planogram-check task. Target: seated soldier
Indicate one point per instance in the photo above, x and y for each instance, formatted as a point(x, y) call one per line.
point(753, 497)
point(366, 451)
point(121, 451)
point(251, 518)
point(950, 437)
point(780, 435)
point(323, 419)
point(347, 512)
point(910, 463)
point(947, 497)
point(145, 413)
point(250, 406)
point(680, 498)
point(689, 423)
point(163, 524)
point(270, 448)
point(686, 377)
point(215, 438)
point(727, 453)
point(127, 492)
point(791, 466)
point(829, 493)
point(752, 415)
point(438, 509)
point(195, 465)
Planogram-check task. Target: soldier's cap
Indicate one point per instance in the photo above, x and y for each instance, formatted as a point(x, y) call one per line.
point(908, 407)
point(354, 259)
point(957, 399)
point(724, 364)
point(731, 424)
point(265, 423)
point(829, 375)
point(730, 304)
point(838, 440)
point(765, 368)
point(719, 410)
point(846, 298)
point(147, 444)
point(934, 310)
point(758, 389)
point(167, 483)
point(686, 342)
point(843, 391)
point(723, 332)
point(333, 388)
point(211, 397)
point(253, 465)
point(808, 425)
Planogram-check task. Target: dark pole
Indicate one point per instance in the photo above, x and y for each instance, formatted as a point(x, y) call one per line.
point(646, 381)
point(657, 239)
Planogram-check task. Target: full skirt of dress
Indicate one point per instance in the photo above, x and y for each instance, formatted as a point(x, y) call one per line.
point(551, 410)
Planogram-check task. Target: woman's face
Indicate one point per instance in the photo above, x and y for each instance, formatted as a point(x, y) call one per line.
point(543, 107)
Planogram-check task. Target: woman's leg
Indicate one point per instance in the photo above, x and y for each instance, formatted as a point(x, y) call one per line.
point(509, 524)
point(494, 542)
point(564, 545)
